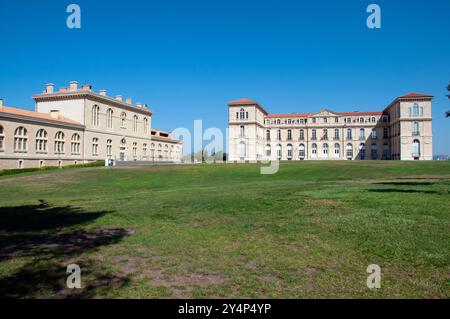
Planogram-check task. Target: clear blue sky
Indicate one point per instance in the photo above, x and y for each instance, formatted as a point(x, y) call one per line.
point(186, 59)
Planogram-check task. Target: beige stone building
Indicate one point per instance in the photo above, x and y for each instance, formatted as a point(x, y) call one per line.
point(402, 131)
point(76, 125)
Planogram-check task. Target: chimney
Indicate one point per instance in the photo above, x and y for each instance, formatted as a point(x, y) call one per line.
point(54, 114)
point(50, 88)
point(86, 87)
point(102, 92)
point(139, 105)
point(73, 86)
point(128, 100)
point(1, 104)
point(119, 98)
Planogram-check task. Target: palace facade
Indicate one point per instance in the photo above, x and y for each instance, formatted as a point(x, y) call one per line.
point(402, 131)
point(76, 125)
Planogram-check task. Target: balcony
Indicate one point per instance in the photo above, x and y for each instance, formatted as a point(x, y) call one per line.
point(362, 138)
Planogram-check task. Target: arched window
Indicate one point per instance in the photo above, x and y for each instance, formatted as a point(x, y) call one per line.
point(302, 135)
point(123, 120)
point(41, 141)
point(1, 138)
point(268, 135)
point(416, 110)
point(374, 133)
point(95, 115)
point(325, 150)
point(135, 123)
point(416, 128)
point(268, 150)
point(95, 146)
point(349, 151)
point(279, 152)
point(361, 120)
point(145, 125)
point(289, 151)
point(337, 150)
point(362, 133)
point(241, 150)
point(373, 119)
point(278, 121)
point(362, 151)
point(314, 149)
point(416, 149)
point(301, 151)
point(59, 143)
point(75, 143)
point(373, 151)
point(109, 118)
point(242, 114)
point(20, 139)
point(289, 134)
point(109, 148)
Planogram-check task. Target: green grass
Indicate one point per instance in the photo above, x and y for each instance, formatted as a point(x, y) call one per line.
point(224, 230)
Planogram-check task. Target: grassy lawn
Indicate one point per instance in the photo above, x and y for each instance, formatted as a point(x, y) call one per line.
point(224, 230)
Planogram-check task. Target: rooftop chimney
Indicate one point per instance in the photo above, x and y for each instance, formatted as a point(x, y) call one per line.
point(86, 87)
point(54, 114)
point(119, 98)
point(139, 105)
point(102, 92)
point(73, 86)
point(1, 104)
point(49, 89)
point(128, 100)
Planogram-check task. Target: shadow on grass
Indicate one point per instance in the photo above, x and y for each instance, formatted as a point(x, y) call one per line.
point(43, 239)
point(406, 183)
point(393, 190)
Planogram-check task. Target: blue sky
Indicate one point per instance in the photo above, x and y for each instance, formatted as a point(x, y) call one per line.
point(186, 59)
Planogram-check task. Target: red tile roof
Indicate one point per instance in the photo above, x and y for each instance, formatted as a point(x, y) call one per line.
point(44, 116)
point(286, 115)
point(413, 95)
point(243, 101)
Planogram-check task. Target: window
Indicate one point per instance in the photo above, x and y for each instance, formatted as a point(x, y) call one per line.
point(325, 120)
point(361, 120)
point(268, 135)
point(268, 150)
point(278, 151)
point(145, 125)
point(325, 134)
point(314, 120)
point(416, 149)
point(374, 133)
point(325, 150)
point(336, 120)
point(373, 120)
point(109, 118)
point(242, 131)
point(75, 144)
point(95, 115)
point(373, 151)
point(314, 149)
point(95, 146)
point(289, 135)
point(135, 123)
point(336, 133)
point(1, 138)
point(362, 133)
point(123, 120)
point(109, 147)
point(349, 150)
point(20, 139)
point(59, 143)
point(302, 135)
point(242, 114)
point(385, 151)
point(237, 115)
point(362, 151)
point(279, 135)
point(41, 141)
point(314, 134)
point(144, 149)
point(134, 149)
point(301, 151)
point(349, 133)
point(385, 132)
point(416, 110)
point(337, 149)
point(289, 151)
point(415, 128)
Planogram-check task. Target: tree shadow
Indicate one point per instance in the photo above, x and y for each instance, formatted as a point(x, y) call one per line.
point(406, 183)
point(44, 238)
point(393, 190)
